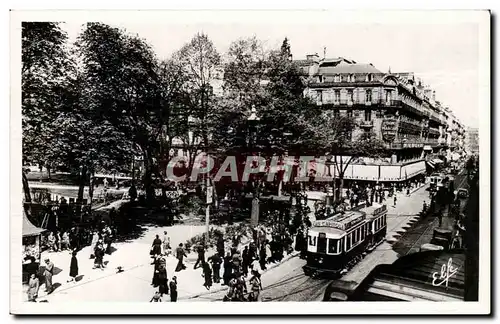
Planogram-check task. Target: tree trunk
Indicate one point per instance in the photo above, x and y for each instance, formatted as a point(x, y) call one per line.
point(341, 186)
point(26, 189)
point(81, 185)
point(148, 183)
point(48, 170)
point(91, 189)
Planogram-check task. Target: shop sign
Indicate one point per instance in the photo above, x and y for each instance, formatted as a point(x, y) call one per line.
point(389, 129)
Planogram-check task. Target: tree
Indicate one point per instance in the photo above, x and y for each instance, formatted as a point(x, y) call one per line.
point(44, 62)
point(334, 135)
point(200, 64)
point(131, 89)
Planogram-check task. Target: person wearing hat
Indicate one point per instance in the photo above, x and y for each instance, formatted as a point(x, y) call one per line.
point(73, 268)
point(173, 289)
point(166, 244)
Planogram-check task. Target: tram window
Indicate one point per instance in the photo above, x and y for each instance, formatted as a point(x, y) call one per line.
point(363, 232)
point(332, 246)
point(312, 240)
point(354, 237)
point(348, 242)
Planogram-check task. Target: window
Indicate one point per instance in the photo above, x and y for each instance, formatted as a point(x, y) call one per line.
point(354, 237)
point(368, 115)
point(388, 96)
point(319, 96)
point(348, 242)
point(369, 78)
point(349, 113)
point(368, 96)
point(320, 78)
point(332, 246)
point(350, 95)
point(363, 229)
point(337, 95)
point(336, 78)
point(352, 78)
point(312, 240)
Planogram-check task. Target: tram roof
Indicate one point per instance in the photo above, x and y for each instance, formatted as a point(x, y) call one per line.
point(375, 209)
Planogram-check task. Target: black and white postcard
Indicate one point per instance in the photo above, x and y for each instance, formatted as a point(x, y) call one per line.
point(297, 162)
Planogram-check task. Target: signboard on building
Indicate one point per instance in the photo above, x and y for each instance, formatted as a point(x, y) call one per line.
point(389, 129)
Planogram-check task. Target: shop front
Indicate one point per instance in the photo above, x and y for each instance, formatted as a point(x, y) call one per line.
point(31, 247)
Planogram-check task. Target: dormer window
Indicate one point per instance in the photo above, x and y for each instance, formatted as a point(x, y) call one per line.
point(369, 77)
point(320, 78)
point(352, 78)
point(336, 78)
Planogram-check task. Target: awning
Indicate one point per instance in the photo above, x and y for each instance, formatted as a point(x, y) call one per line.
point(437, 161)
point(29, 229)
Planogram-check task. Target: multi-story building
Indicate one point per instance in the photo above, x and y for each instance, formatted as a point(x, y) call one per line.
point(472, 141)
point(397, 107)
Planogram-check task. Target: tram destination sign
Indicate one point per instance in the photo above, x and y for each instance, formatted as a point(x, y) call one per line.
point(380, 210)
point(339, 223)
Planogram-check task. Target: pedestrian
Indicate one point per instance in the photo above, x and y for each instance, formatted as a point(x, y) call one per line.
point(73, 268)
point(156, 263)
point(51, 242)
point(132, 192)
point(162, 279)
point(408, 192)
point(166, 244)
point(48, 273)
point(263, 257)
point(207, 274)
point(216, 261)
point(180, 254)
point(201, 256)
point(156, 246)
point(99, 255)
point(156, 298)
point(245, 260)
point(227, 269)
point(93, 244)
point(220, 245)
point(173, 289)
point(33, 286)
point(255, 286)
point(58, 241)
point(395, 200)
point(65, 241)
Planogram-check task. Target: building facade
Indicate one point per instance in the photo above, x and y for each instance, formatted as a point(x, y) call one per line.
point(472, 141)
point(397, 107)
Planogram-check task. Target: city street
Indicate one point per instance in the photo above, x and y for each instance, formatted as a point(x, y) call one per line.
point(288, 282)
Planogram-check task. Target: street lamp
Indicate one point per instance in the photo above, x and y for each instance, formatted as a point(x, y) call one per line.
point(252, 120)
point(329, 163)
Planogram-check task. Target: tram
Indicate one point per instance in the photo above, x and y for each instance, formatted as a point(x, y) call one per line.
point(336, 244)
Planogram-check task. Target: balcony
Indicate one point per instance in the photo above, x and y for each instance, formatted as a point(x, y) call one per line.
point(345, 103)
point(366, 124)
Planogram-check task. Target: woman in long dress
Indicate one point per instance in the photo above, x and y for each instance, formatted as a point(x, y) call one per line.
point(73, 268)
point(162, 280)
point(33, 286)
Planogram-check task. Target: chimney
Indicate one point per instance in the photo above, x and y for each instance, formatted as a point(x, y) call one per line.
point(434, 95)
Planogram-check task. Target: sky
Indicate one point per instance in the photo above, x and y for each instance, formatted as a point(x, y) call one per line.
point(445, 56)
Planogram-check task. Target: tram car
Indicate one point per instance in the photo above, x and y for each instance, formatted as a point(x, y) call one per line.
point(336, 244)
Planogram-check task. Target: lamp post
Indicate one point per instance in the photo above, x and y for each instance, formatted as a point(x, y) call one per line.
point(329, 163)
point(252, 121)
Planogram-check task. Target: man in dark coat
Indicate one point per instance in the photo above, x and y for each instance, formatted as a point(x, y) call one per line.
point(220, 245)
point(216, 261)
point(228, 269)
point(263, 257)
point(156, 247)
point(246, 260)
point(201, 256)
point(180, 254)
point(132, 192)
point(173, 289)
